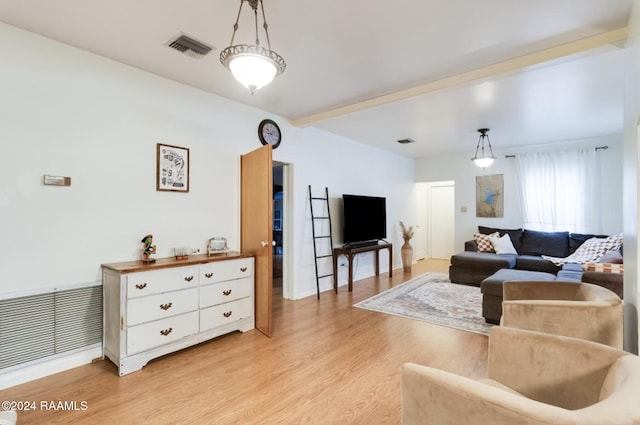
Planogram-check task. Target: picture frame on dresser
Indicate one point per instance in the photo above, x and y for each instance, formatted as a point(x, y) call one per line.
point(172, 168)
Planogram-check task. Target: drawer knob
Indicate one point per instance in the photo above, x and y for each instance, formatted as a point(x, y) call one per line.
point(188, 278)
point(208, 275)
point(166, 306)
point(243, 269)
point(227, 292)
point(166, 332)
point(141, 286)
point(227, 313)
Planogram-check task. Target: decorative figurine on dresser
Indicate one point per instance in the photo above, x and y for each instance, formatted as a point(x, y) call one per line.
point(149, 248)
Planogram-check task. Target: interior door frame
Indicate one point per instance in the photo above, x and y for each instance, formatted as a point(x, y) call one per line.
point(288, 289)
point(421, 244)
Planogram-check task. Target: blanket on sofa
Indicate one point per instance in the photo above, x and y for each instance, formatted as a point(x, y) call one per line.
point(590, 251)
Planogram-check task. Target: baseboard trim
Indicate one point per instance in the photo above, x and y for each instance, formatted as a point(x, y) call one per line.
point(35, 370)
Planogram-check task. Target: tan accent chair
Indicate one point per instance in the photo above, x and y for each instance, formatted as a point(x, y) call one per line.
point(579, 310)
point(533, 378)
point(8, 417)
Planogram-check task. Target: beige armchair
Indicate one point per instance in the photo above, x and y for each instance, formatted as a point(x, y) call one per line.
point(533, 378)
point(8, 417)
point(579, 310)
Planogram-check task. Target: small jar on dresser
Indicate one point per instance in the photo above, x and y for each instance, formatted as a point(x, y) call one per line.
point(154, 309)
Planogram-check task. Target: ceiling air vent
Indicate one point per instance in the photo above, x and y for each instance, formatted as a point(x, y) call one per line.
point(189, 46)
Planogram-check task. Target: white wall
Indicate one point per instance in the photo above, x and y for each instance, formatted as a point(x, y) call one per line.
point(71, 113)
point(463, 171)
point(631, 187)
point(324, 160)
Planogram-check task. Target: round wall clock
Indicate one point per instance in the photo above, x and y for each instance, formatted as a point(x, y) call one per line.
point(269, 133)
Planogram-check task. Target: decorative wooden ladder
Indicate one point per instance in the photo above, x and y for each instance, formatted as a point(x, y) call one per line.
point(325, 215)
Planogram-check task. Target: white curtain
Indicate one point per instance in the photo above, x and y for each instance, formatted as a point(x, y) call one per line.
point(559, 190)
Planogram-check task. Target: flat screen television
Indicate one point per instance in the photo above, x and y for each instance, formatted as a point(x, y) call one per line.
point(364, 219)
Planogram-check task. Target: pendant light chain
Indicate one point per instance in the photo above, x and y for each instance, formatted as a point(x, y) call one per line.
point(255, 20)
point(236, 26)
point(265, 25)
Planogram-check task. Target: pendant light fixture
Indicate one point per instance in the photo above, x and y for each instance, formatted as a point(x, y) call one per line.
point(484, 160)
point(252, 65)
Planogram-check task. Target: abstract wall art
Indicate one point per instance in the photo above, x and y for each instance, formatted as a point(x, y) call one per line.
point(489, 196)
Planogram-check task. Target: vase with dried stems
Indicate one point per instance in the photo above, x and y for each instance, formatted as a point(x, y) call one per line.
point(407, 250)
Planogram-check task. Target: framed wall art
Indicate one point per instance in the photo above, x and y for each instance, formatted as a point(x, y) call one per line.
point(172, 168)
point(489, 196)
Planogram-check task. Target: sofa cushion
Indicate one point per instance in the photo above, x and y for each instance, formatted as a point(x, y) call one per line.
point(555, 244)
point(483, 260)
point(492, 285)
point(514, 234)
point(535, 263)
point(577, 239)
point(612, 281)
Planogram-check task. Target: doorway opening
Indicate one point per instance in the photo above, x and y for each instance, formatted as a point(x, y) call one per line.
point(278, 229)
point(282, 227)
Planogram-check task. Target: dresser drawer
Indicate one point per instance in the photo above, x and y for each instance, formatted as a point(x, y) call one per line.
point(161, 332)
point(222, 314)
point(223, 292)
point(155, 282)
point(221, 271)
point(154, 307)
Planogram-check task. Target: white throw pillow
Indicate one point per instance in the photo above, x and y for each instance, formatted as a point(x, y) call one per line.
point(502, 244)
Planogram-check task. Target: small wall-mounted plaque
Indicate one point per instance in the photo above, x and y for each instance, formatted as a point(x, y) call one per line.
point(56, 180)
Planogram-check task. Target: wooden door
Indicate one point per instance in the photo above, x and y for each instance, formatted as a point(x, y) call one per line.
point(256, 227)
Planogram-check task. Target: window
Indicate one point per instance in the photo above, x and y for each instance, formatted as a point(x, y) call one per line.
point(559, 190)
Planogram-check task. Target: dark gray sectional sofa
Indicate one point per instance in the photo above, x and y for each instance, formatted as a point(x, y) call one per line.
point(472, 267)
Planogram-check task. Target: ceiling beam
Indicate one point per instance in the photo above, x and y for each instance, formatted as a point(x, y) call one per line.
point(520, 62)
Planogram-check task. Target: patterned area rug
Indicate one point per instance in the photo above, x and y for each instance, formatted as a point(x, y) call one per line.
point(432, 298)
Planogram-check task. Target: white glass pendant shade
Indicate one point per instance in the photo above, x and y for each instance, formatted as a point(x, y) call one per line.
point(483, 162)
point(252, 71)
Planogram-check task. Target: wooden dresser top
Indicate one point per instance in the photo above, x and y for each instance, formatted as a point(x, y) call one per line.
point(163, 263)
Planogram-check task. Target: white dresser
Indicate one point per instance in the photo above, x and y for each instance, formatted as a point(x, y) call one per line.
point(154, 309)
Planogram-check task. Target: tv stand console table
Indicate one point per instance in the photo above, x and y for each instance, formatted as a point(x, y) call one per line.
point(351, 252)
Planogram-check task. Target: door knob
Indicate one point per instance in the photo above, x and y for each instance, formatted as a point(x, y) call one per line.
point(263, 243)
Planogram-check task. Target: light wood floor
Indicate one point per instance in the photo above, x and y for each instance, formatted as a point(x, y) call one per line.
point(327, 363)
